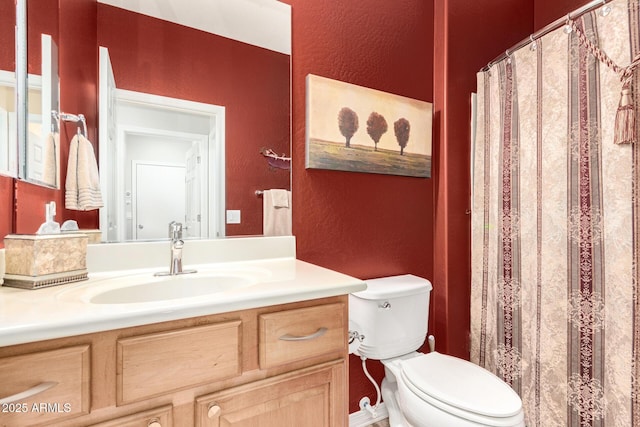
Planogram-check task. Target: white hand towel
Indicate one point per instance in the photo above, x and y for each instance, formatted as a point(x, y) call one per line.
point(279, 198)
point(51, 155)
point(276, 219)
point(82, 189)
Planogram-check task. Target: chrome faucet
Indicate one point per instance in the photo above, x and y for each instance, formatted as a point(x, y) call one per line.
point(175, 267)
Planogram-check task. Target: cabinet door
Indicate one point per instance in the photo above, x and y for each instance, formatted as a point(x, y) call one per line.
point(159, 417)
point(312, 397)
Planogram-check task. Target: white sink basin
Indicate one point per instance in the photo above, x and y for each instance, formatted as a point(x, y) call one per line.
point(184, 286)
point(147, 288)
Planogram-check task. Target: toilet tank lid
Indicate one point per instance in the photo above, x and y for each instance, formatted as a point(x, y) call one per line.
point(394, 286)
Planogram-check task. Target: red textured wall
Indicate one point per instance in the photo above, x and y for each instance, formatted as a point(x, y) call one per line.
point(7, 35)
point(154, 56)
point(490, 27)
point(365, 225)
point(6, 207)
point(546, 12)
point(39, 14)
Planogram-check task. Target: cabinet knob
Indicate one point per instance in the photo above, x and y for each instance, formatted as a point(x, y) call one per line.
point(214, 411)
point(154, 423)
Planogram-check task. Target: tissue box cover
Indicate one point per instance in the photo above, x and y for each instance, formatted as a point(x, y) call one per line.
point(94, 236)
point(41, 255)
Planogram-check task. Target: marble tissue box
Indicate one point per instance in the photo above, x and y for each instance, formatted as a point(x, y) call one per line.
point(94, 236)
point(37, 261)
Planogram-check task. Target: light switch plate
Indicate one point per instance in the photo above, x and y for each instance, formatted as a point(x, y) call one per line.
point(233, 217)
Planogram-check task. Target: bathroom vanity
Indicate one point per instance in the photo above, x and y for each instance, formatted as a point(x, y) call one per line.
point(270, 351)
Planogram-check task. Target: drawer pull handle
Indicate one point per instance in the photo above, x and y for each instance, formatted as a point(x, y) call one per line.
point(154, 423)
point(29, 393)
point(317, 334)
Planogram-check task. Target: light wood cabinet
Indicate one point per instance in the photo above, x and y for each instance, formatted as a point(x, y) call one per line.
point(311, 397)
point(233, 369)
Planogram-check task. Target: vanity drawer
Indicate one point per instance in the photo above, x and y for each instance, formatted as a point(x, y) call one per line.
point(294, 335)
point(155, 364)
point(158, 417)
point(41, 387)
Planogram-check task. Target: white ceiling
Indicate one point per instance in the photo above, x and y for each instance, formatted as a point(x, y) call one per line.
point(264, 23)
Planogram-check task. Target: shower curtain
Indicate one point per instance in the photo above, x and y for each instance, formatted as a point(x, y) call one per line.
point(555, 308)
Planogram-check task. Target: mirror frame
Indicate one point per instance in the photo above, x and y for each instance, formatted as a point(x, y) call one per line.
point(21, 85)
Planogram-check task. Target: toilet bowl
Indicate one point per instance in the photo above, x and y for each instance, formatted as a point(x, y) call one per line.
point(438, 390)
point(419, 389)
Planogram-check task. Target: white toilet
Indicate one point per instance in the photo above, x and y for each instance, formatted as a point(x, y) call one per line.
point(390, 318)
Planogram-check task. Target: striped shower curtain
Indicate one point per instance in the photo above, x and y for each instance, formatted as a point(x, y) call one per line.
point(555, 306)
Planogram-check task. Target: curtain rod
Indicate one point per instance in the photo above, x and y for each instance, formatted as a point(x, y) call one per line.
point(553, 26)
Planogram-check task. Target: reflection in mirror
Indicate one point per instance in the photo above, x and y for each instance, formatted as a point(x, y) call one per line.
point(8, 132)
point(37, 92)
point(42, 154)
point(162, 161)
point(178, 63)
point(171, 52)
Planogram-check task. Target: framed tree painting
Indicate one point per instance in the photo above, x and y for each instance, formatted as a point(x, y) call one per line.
point(357, 129)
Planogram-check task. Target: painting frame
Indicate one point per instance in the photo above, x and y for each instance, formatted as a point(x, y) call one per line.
point(358, 129)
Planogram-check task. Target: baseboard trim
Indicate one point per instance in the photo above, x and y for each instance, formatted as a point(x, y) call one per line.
point(363, 418)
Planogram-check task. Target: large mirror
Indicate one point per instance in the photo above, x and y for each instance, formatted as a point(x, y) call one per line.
point(232, 55)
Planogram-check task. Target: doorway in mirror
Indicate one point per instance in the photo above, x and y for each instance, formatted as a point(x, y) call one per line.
point(161, 160)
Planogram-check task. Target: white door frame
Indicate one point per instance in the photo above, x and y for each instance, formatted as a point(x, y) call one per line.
point(215, 149)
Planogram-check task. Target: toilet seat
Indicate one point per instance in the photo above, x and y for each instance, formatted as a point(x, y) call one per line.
point(461, 388)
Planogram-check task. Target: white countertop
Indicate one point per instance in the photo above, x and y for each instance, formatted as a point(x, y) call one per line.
point(60, 311)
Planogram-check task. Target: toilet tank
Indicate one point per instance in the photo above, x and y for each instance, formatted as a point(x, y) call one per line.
point(392, 314)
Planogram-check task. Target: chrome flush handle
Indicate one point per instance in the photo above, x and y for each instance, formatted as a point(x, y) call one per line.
point(355, 335)
point(385, 305)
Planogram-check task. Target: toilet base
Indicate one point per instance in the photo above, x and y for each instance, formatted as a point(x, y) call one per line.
point(390, 398)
